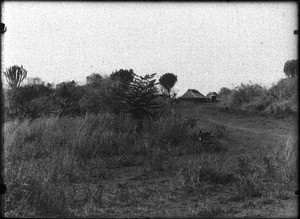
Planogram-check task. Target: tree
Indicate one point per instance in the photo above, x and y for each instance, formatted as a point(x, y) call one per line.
point(94, 80)
point(224, 91)
point(139, 97)
point(168, 81)
point(67, 89)
point(291, 68)
point(123, 75)
point(3, 28)
point(15, 75)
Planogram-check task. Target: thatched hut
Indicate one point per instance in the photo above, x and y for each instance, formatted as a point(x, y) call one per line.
point(193, 96)
point(212, 96)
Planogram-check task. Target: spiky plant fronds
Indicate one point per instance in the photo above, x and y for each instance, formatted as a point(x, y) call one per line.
point(139, 97)
point(15, 75)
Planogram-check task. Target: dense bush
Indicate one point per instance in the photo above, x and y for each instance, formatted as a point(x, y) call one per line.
point(27, 93)
point(26, 101)
point(122, 91)
point(123, 75)
point(291, 68)
point(101, 97)
point(279, 100)
point(36, 100)
point(33, 101)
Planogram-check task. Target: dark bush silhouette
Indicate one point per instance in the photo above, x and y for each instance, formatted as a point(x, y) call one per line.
point(291, 68)
point(27, 93)
point(224, 91)
point(101, 97)
point(123, 75)
point(94, 80)
point(24, 101)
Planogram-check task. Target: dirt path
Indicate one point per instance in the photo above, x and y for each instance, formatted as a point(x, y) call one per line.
point(244, 130)
point(135, 191)
point(252, 132)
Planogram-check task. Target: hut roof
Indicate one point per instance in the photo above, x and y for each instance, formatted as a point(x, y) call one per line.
point(192, 94)
point(211, 94)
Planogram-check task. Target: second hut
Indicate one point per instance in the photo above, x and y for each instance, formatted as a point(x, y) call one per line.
point(193, 96)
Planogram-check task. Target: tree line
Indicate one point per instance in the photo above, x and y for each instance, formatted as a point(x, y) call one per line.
point(122, 91)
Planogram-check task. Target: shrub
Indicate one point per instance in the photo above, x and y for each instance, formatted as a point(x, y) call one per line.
point(100, 98)
point(123, 75)
point(291, 68)
point(280, 108)
point(27, 93)
point(26, 102)
point(284, 89)
point(279, 100)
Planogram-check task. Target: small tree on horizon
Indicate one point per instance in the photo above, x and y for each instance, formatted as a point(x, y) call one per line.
point(94, 80)
point(123, 75)
point(224, 91)
point(291, 68)
point(35, 81)
point(167, 81)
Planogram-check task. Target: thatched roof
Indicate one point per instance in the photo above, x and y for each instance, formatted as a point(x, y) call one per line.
point(211, 94)
point(192, 94)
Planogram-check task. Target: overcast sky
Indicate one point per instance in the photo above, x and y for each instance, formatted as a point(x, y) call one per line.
point(207, 45)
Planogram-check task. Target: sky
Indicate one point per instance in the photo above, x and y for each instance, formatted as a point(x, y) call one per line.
point(208, 45)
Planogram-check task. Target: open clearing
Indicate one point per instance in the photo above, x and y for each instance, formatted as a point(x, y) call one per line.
point(139, 191)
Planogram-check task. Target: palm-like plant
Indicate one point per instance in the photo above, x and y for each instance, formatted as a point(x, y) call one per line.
point(139, 97)
point(15, 75)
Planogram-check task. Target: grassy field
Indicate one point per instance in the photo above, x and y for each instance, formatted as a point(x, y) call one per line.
point(101, 165)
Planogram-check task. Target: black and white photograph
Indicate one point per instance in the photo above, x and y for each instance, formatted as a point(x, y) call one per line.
point(149, 109)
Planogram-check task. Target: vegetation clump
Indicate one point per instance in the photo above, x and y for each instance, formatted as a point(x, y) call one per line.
point(278, 100)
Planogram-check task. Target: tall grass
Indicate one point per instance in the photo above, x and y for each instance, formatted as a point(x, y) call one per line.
point(44, 154)
point(56, 166)
point(269, 174)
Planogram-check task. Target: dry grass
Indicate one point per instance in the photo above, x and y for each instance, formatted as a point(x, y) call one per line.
point(98, 165)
